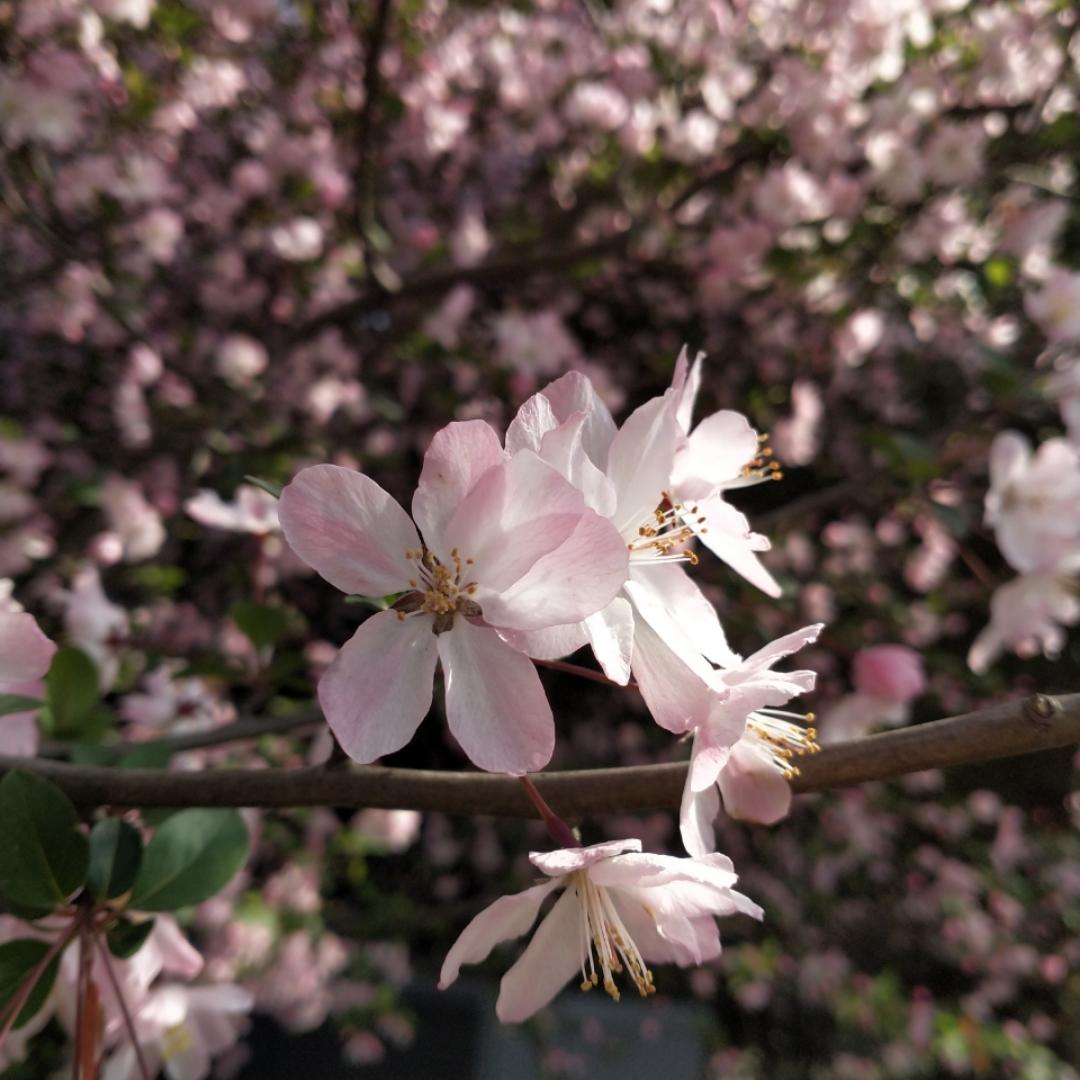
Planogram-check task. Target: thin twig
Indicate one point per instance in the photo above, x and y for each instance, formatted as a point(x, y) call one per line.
point(129, 1023)
point(1005, 730)
point(584, 673)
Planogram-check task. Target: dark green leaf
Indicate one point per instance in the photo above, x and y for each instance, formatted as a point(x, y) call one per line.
point(18, 959)
point(190, 858)
point(115, 855)
point(148, 755)
point(126, 938)
point(43, 856)
point(16, 703)
point(71, 688)
point(263, 623)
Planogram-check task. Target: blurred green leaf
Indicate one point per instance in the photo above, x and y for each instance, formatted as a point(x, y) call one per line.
point(71, 691)
point(115, 856)
point(17, 960)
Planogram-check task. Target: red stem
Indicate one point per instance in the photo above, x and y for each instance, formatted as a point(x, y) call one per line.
point(559, 831)
point(583, 673)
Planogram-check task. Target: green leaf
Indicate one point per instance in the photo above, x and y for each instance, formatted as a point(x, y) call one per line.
point(263, 623)
point(43, 856)
point(16, 703)
point(190, 858)
point(71, 690)
point(17, 960)
point(148, 755)
point(115, 856)
point(126, 938)
point(267, 485)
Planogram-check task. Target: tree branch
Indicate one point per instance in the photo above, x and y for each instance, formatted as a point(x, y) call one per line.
point(1015, 727)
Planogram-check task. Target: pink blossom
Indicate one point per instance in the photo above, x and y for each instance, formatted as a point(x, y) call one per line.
point(1034, 502)
point(252, 510)
point(1027, 616)
point(508, 546)
point(132, 518)
point(619, 910)
point(1056, 306)
point(660, 628)
point(892, 672)
point(25, 656)
point(95, 624)
point(240, 359)
point(392, 830)
point(744, 748)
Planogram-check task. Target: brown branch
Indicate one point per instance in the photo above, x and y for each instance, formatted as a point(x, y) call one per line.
point(1015, 727)
point(365, 140)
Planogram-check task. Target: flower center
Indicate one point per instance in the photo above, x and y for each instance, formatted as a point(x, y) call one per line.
point(175, 1041)
point(438, 589)
point(663, 536)
point(606, 942)
point(783, 736)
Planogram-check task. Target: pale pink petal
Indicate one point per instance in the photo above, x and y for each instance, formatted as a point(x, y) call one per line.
point(508, 918)
point(783, 646)
point(754, 789)
point(564, 450)
point(25, 652)
point(577, 579)
point(175, 953)
point(458, 456)
point(710, 754)
point(611, 635)
point(19, 736)
point(686, 382)
point(566, 860)
point(516, 513)
point(715, 453)
point(696, 816)
point(548, 644)
point(1010, 453)
point(678, 696)
point(573, 393)
point(640, 461)
point(686, 942)
point(678, 611)
point(727, 534)
point(546, 965)
point(533, 421)
point(495, 703)
point(378, 688)
point(346, 527)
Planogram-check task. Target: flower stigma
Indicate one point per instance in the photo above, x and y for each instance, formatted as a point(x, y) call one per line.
point(438, 589)
point(784, 736)
point(606, 941)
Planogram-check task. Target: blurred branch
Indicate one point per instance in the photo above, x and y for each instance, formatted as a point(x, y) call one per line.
point(1015, 727)
point(366, 171)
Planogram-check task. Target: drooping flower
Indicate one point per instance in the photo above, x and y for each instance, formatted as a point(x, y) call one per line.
point(744, 749)
point(508, 545)
point(252, 510)
point(619, 911)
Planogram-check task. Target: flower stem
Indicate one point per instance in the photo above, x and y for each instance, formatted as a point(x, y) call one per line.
point(106, 959)
point(559, 831)
point(583, 673)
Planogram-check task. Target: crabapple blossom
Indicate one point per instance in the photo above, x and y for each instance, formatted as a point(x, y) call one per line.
point(1027, 615)
point(1056, 306)
point(95, 624)
point(25, 656)
point(620, 910)
point(886, 679)
point(252, 510)
point(1034, 502)
point(660, 627)
point(744, 748)
point(508, 546)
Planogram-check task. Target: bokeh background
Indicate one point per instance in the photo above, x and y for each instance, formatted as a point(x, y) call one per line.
point(242, 236)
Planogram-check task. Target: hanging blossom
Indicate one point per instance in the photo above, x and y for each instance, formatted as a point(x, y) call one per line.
point(745, 749)
point(508, 546)
point(660, 628)
point(619, 911)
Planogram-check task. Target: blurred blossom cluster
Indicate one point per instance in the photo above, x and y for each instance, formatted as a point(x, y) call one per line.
point(240, 239)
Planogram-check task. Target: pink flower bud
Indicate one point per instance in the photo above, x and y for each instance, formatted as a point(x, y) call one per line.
point(892, 672)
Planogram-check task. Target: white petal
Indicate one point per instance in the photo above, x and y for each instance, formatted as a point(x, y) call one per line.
point(544, 968)
point(495, 703)
point(611, 635)
point(25, 651)
point(573, 393)
point(726, 533)
point(696, 817)
point(548, 644)
point(378, 688)
point(508, 918)
point(753, 787)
